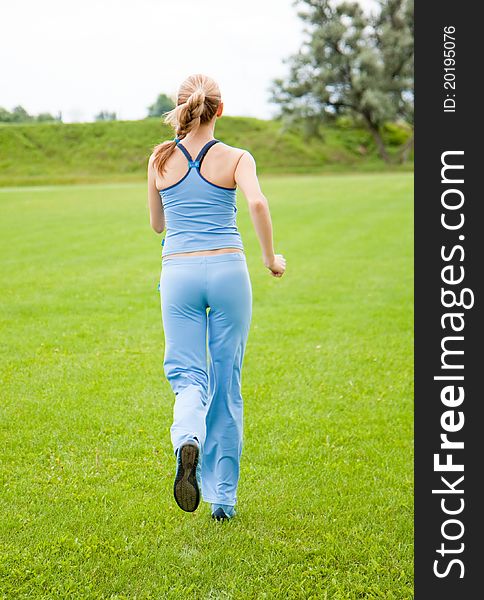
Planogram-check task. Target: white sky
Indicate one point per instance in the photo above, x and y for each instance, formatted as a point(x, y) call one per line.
point(82, 56)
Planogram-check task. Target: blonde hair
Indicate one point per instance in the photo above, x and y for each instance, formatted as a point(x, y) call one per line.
point(197, 101)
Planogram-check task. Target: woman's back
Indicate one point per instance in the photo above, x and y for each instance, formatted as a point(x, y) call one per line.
point(200, 213)
point(218, 166)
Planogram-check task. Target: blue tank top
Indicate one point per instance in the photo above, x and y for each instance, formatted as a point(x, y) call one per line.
point(199, 215)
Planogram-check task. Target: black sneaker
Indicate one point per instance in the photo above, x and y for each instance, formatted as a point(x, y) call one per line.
point(222, 512)
point(187, 486)
point(219, 515)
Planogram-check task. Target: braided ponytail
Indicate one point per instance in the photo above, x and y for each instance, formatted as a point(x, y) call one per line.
point(197, 103)
point(186, 117)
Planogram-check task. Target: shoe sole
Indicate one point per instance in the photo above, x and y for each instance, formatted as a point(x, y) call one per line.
point(186, 491)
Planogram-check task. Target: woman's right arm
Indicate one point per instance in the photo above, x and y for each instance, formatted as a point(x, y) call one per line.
point(246, 178)
point(157, 215)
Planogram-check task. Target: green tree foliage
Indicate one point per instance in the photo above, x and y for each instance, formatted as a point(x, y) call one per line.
point(352, 63)
point(104, 115)
point(162, 105)
point(45, 117)
point(20, 115)
point(5, 115)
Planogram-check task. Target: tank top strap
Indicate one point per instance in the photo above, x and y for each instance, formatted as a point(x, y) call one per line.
point(204, 150)
point(201, 155)
point(184, 150)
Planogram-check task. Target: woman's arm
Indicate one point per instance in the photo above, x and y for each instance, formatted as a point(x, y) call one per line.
point(246, 178)
point(157, 216)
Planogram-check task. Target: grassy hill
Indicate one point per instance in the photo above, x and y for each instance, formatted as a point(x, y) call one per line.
point(47, 153)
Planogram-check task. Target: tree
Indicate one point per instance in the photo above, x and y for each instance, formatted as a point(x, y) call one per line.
point(43, 117)
point(353, 63)
point(104, 115)
point(5, 115)
point(162, 105)
point(20, 115)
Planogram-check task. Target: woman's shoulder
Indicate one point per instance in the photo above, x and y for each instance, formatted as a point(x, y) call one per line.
point(222, 144)
point(231, 150)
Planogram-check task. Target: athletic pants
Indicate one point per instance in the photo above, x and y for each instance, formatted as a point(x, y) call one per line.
point(206, 304)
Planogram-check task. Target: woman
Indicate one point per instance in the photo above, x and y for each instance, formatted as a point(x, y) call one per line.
point(206, 294)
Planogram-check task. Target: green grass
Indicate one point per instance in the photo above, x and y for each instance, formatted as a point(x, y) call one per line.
point(326, 492)
point(49, 153)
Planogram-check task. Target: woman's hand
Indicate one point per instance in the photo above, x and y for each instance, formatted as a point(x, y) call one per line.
point(276, 265)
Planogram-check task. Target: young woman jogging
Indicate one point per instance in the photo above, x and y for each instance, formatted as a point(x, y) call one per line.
point(206, 293)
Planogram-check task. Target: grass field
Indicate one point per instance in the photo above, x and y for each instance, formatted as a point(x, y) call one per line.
point(326, 492)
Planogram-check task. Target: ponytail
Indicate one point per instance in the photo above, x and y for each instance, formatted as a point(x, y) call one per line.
point(198, 100)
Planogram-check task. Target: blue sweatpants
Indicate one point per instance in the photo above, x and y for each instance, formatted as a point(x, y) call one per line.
point(206, 304)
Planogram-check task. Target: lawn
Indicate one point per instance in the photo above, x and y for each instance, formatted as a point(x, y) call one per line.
point(326, 493)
